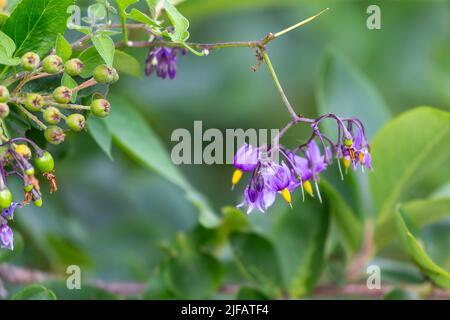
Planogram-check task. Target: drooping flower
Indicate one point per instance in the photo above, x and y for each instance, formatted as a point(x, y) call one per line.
point(8, 213)
point(163, 60)
point(245, 160)
point(260, 200)
point(6, 236)
point(278, 179)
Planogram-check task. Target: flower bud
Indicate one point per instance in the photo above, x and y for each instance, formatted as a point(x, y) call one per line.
point(45, 163)
point(54, 134)
point(4, 110)
point(105, 74)
point(100, 107)
point(62, 94)
point(30, 61)
point(73, 67)
point(4, 94)
point(52, 64)
point(5, 198)
point(34, 102)
point(23, 150)
point(76, 122)
point(52, 115)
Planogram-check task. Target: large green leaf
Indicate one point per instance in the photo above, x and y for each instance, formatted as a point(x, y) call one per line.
point(257, 258)
point(192, 274)
point(105, 47)
point(179, 22)
point(101, 134)
point(34, 292)
point(133, 134)
point(300, 236)
point(125, 63)
point(63, 48)
point(404, 151)
point(34, 24)
point(417, 253)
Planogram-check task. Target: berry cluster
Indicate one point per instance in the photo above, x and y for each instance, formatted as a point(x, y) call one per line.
point(47, 110)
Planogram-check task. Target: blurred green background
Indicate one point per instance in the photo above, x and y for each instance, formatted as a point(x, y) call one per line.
point(111, 217)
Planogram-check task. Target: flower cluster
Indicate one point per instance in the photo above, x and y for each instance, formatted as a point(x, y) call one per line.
point(300, 167)
point(15, 160)
point(163, 60)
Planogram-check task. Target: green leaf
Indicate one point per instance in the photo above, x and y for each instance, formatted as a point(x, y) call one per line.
point(300, 236)
point(70, 83)
point(258, 261)
point(34, 24)
point(134, 136)
point(350, 227)
point(249, 293)
point(101, 134)
point(125, 63)
point(8, 61)
point(157, 288)
point(192, 274)
point(139, 16)
point(417, 253)
point(400, 294)
point(63, 48)
point(3, 17)
point(421, 211)
point(403, 152)
point(96, 12)
point(34, 292)
point(7, 44)
point(91, 59)
point(179, 22)
point(124, 4)
point(105, 47)
point(86, 292)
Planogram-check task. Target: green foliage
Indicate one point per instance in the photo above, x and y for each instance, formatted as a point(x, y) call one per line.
point(105, 47)
point(7, 48)
point(180, 23)
point(415, 250)
point(127, 64)
point(63, 48)
point(403, 155)
point(34, 292)
point(101, 134)
point(46, 19)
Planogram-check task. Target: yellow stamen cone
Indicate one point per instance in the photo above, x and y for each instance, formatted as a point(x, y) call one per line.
point(286, 195)
point(360, 157)
point(347, 163)
point(308, 188)
point(237, 175)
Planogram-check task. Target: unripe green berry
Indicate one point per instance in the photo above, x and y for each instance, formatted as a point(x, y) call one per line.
point(4, 94)
point(45, 163)
point(28, 187)
point(29, 171)
point(30, 61)
point(5, 198)
point(34, 102)
point(62, 94)
point(38, 202)
point(54, 134)
point(104, 74)
point(100, 107)
point(73, 67)
point(76, 122)
point(52, 115)
point(52, 64)
point(4, 110)
point(115, 76)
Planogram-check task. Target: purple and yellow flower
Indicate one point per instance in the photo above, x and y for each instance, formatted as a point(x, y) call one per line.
point(245, 160)
point(8, 213)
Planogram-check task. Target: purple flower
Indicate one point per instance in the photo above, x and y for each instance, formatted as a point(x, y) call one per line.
point(163, 60)
point(246, 158)
point(260, 200)
point(6, 236)
point(8, 213)
point(278, 176)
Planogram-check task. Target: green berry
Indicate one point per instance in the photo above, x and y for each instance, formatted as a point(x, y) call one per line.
point(30, 61)
point(5, 198)
point(62, 94)
point(34, 102)
point(52, 115)
point(29, 171)
point(28, 187)
point(45, 163)
point(38, 202)
point(4, 110)
point(76, 122)
point(100, 107)
point(73, 67)
point(52, 64)
point(104, 74)
point(4, 94)
point(115, 76)
point(54, 134)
